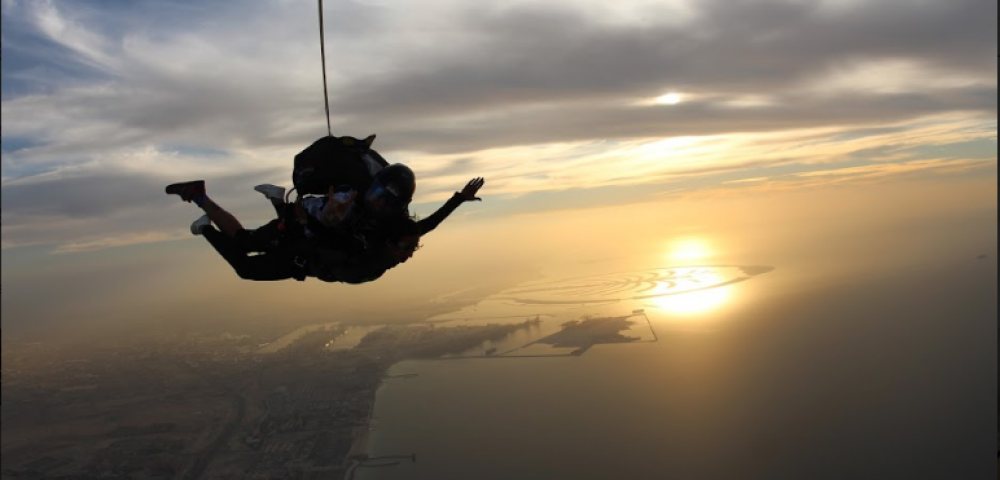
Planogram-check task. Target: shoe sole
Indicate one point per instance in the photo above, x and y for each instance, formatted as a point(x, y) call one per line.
point(178, 188)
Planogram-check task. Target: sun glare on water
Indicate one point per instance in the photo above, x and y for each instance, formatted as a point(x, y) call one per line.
point(689, 252)
point(694, 303)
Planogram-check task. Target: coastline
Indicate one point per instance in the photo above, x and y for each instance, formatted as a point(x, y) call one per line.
point(360, 434)
point(359, 445)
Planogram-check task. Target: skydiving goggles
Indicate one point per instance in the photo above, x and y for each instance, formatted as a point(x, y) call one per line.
point(377, 191)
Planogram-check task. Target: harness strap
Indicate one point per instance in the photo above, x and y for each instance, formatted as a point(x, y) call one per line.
point(300, 272)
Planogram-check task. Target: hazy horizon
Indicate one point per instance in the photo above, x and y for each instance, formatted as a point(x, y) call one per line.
point(906, 223)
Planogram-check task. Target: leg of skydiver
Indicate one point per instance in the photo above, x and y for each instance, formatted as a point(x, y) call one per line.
point(223, 219)
point(195, 192)
point(271, 266)
point(264, 239)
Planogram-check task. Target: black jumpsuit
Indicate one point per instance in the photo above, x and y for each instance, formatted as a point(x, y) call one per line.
point(279, 256)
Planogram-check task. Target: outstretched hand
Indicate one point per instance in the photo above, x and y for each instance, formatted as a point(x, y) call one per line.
point(469, 192)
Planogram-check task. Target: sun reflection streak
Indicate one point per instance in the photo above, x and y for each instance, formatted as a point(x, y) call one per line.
point(694, 303)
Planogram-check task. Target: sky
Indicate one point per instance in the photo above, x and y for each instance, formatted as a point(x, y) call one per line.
point(561, 106)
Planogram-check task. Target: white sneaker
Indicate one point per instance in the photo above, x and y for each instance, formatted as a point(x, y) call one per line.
point(272, 192)
point(199, 224)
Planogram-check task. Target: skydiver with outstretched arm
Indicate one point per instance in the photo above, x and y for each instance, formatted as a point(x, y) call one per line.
point(287, 252)
point(373, 263)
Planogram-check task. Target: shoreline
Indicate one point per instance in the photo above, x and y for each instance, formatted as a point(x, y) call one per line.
point(361, 434)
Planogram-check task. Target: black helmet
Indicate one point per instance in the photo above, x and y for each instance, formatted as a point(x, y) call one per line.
point(398, 181)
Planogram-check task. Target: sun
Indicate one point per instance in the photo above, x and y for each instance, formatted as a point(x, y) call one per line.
point(669, 99)
point(689, 250)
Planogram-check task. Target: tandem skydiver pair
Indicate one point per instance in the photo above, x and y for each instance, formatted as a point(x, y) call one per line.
point(349, 223)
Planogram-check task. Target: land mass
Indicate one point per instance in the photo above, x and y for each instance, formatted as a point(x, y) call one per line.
point(583, 334)
point(205, 406)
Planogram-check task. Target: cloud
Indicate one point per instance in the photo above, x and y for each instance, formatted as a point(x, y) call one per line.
point(92, 48)
point(579, 122)
point(89, 204)
point(105, 102)
point(119, 241)
point(545, 56)
point(556, 73)
point(870, 171)
point(89, 208)
point(851, 176)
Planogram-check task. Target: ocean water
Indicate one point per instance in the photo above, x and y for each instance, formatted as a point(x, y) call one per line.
point(838, 334)
point(826, 347)
point(890, 375)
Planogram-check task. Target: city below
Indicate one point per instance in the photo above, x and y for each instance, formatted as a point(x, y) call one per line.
point(223, 405)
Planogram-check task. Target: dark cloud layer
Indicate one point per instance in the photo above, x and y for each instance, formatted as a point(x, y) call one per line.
point(557, 60)
point(582, 122)
point(518, 61)
point(545, 56)
point(100, 194)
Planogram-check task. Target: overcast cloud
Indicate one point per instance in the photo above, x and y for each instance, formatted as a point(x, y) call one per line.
point(104, 102)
